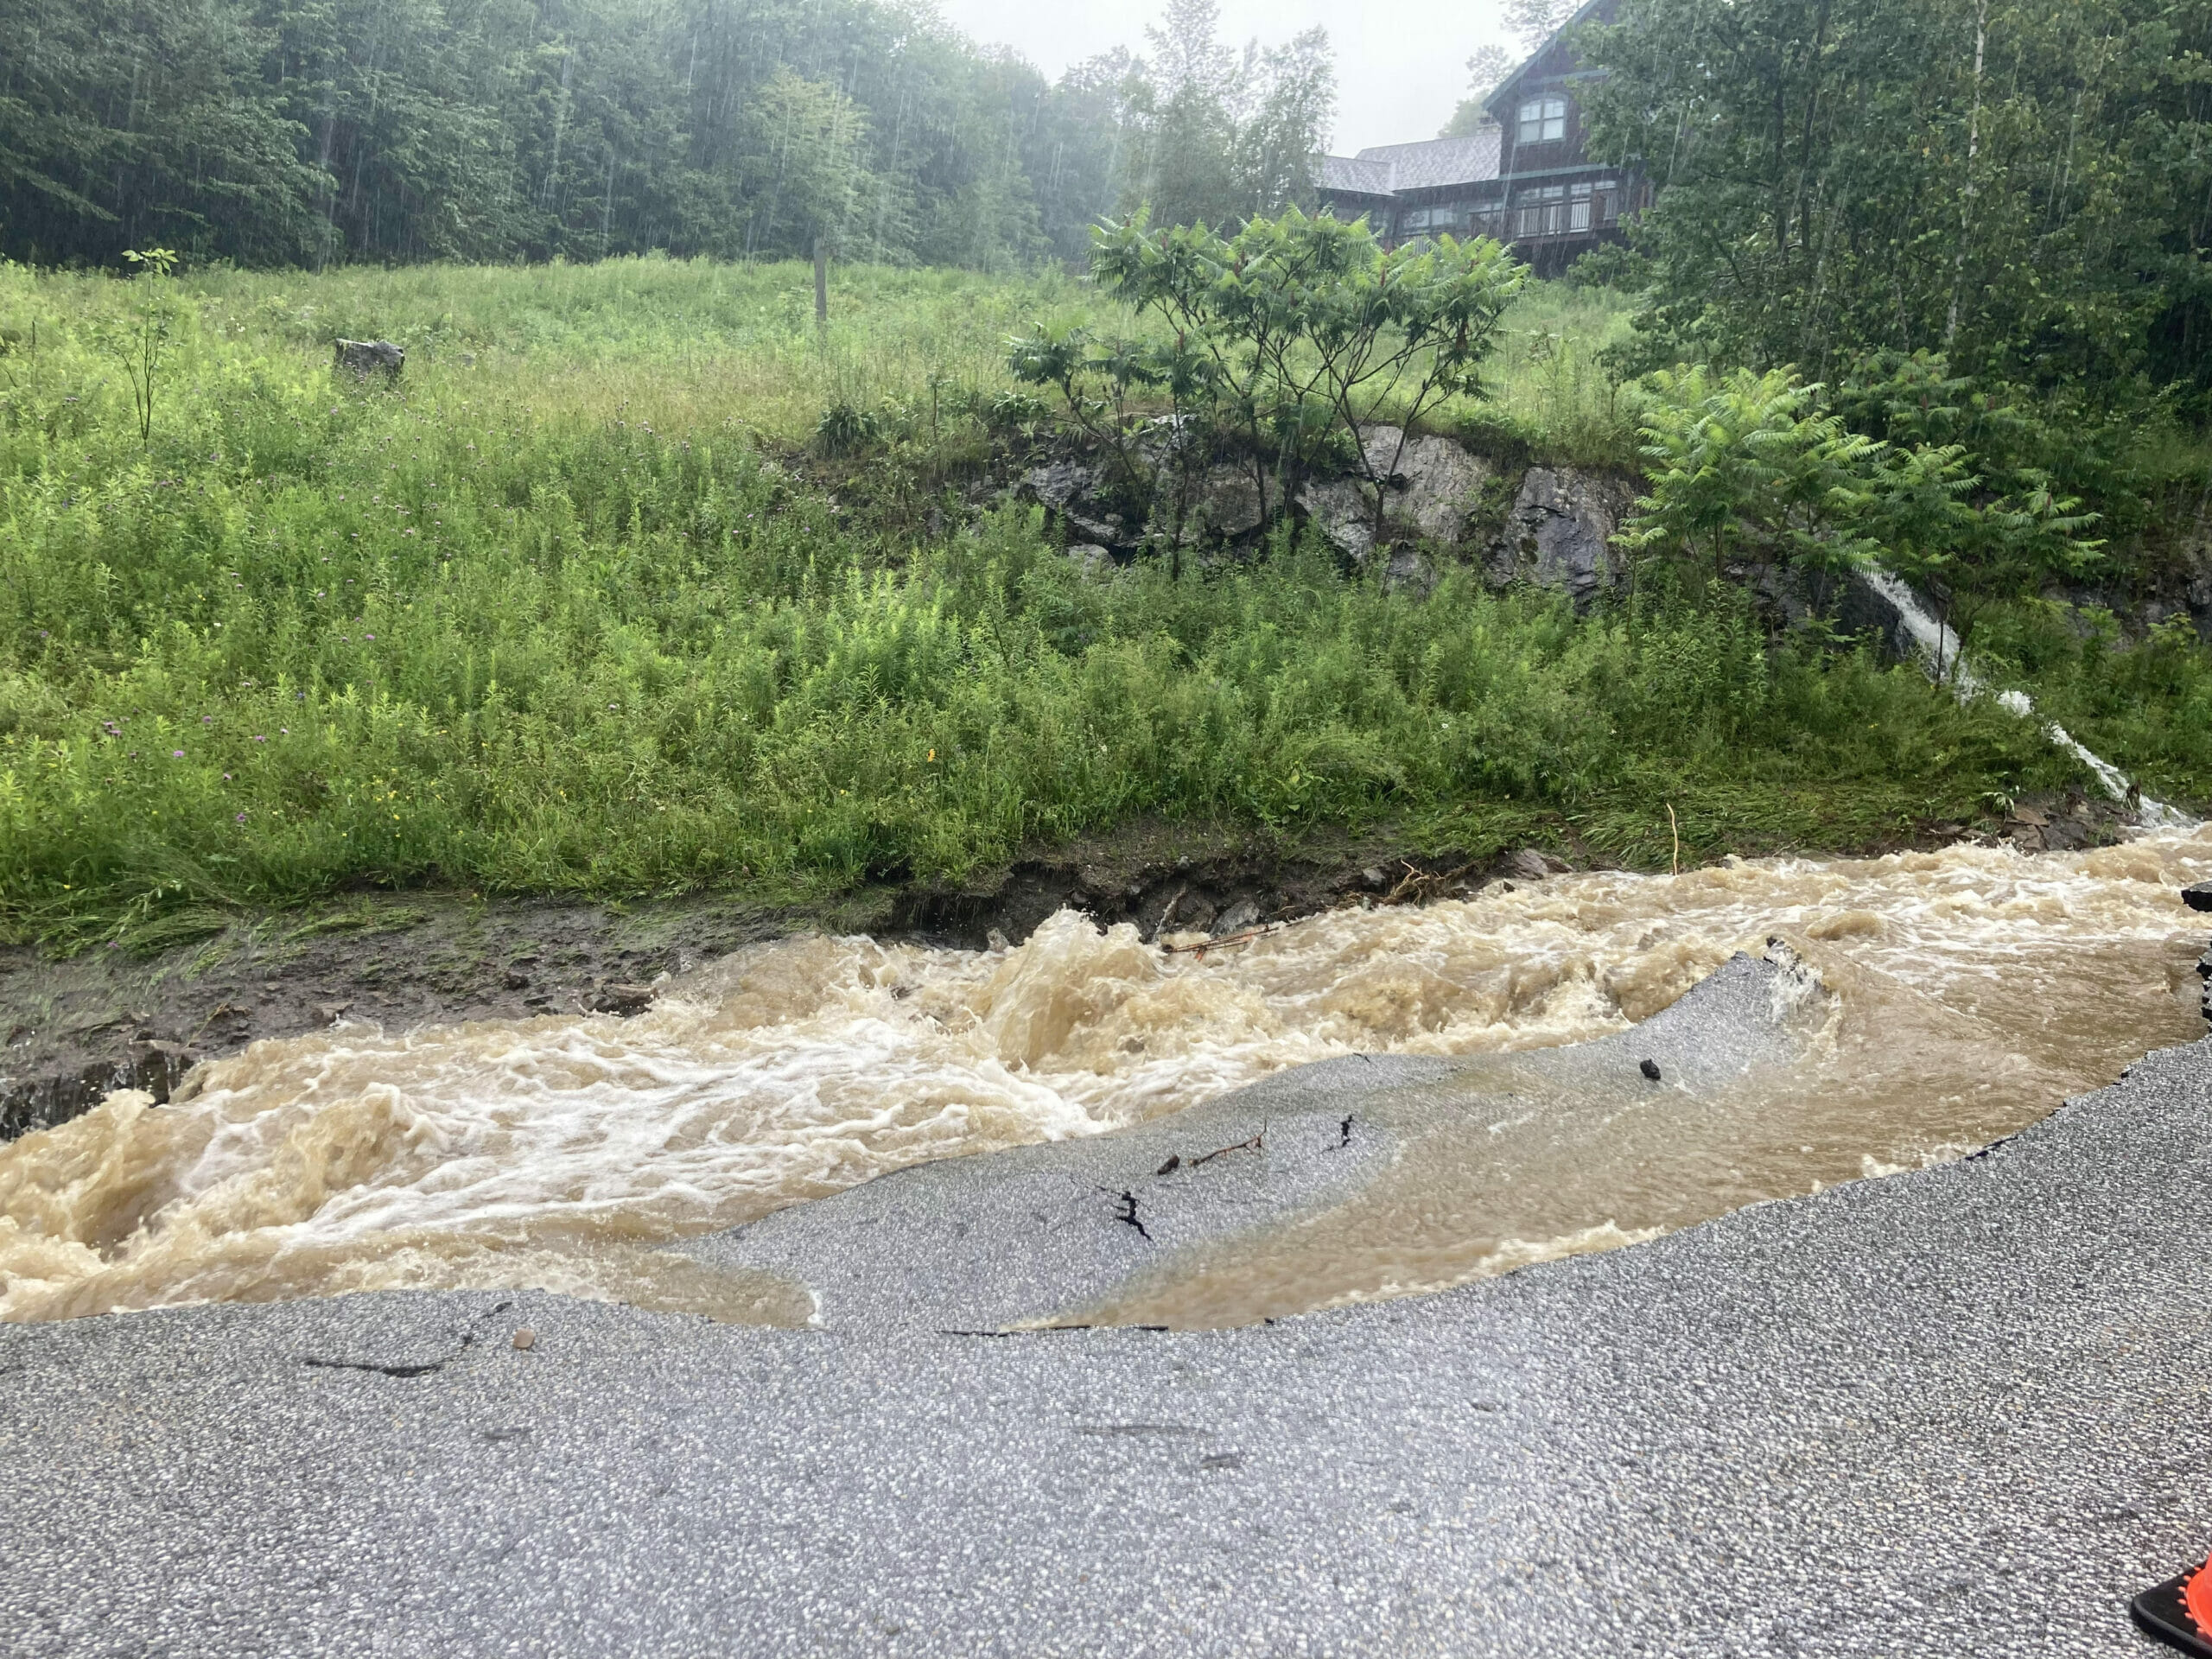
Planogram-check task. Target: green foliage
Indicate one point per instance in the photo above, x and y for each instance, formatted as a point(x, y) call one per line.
point(139, 345)
point(1749, 466)
point(2021, 186)
point(1286, 340)
point(1743, 464)
point(317, 131)
point(564, 619)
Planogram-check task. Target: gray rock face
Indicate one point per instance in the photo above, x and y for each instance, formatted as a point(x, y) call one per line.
point(1435, 485)
point(1433, 489)
point(1338, 507)
point(363, 357)
point(1059, 483)
point(1076, 492)
point(1226, 504)
point(1558, 534)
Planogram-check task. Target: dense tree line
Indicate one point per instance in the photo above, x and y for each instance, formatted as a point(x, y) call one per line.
point(2021, 188)
point(313, 131)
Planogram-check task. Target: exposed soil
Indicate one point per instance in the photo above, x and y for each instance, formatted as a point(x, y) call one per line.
point(77, 1028)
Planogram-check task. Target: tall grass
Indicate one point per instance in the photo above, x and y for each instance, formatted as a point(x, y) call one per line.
point(551, 615)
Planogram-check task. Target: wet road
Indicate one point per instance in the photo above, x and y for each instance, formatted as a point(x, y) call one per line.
point(1958, 1410)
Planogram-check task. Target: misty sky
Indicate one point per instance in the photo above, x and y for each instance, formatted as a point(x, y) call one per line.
point(1401, 66)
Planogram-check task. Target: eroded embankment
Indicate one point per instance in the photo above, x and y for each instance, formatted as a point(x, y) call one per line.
point(1963, 994)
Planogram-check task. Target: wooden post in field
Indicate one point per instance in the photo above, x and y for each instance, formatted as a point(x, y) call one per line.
point(821, 284)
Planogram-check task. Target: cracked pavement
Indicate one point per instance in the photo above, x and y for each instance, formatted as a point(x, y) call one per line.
point(1958, 1410)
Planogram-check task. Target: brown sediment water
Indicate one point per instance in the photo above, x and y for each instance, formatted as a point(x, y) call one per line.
point(1967, 992)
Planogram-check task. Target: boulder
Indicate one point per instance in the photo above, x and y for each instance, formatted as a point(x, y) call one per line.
point(1226, 504)
point(1074, 492)
point(1338, 508)
point(1409, 569)
point(1432, 488)
point(1559, 532)
point(1060, 483)
point(363, 357)
point(1435, 485)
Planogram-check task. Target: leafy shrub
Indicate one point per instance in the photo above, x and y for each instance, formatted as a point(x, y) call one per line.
point(1278, 343)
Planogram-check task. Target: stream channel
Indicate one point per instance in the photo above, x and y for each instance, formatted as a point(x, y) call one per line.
point(1954, 997)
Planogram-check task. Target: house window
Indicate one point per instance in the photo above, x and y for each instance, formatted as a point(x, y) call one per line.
point(1608, 191)
point(1415, 218)
point(1543, 121)
point(1540, 211)
point(1578, 207)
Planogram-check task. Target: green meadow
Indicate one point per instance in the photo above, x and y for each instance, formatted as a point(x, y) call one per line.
point(577, 607)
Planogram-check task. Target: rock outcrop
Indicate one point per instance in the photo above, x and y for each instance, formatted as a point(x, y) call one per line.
point(1560, 532)
point(1438, 497)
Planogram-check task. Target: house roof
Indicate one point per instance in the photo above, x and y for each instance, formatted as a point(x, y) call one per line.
point(1500, 93)
point(1350, 177)
point(1385, 169)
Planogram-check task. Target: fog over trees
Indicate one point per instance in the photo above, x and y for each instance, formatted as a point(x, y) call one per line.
point(316, 131)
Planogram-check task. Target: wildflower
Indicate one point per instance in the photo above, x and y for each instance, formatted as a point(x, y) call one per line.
point(241, 817)
point(176, 754)
point(259, 739)
point(226, 777)
point(368, 636)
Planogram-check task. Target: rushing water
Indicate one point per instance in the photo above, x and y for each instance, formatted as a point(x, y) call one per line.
point(1975, 987)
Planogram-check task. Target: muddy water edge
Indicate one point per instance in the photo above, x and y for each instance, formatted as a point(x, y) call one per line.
point(1969, 990)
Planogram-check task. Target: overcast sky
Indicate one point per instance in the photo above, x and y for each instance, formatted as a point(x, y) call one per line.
point(1401, 68)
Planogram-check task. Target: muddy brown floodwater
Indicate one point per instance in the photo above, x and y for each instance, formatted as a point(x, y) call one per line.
point(1967, 993)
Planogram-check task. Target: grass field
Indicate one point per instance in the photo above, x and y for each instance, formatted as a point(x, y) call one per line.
point(557, 614)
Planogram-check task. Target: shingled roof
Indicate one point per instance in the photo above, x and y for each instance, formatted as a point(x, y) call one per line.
point(1385, 169)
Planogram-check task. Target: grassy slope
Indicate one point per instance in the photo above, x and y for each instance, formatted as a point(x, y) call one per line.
point(543, 619)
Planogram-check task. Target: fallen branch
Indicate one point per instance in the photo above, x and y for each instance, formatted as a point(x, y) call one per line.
point(1417, 879)
point(1258, 1143)
point(1245, 937)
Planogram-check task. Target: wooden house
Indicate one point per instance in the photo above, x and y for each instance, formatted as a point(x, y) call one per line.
point(1526, 177)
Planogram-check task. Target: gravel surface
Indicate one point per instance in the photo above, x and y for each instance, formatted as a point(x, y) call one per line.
point(1961, 1411)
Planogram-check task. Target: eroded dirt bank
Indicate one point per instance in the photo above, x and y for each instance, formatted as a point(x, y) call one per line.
point(78, 1028)
point(75, 1029)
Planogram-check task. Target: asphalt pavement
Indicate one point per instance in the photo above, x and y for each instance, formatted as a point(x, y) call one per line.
point(1960, 1411)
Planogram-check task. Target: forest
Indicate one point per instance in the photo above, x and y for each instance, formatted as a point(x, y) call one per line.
point(269, 132)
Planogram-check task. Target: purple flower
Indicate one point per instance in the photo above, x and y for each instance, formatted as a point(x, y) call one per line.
point(241, 817)
point(258, 738)
point(369, 636)
point(176, 754)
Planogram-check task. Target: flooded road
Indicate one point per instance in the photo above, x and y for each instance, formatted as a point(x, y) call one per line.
point(1962, 995)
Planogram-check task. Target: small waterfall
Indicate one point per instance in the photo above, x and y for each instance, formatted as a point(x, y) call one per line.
point(1939, 647)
